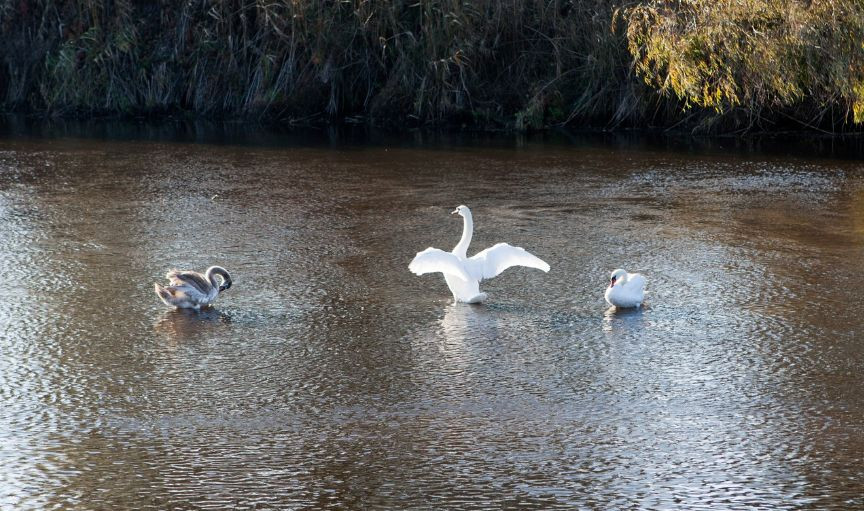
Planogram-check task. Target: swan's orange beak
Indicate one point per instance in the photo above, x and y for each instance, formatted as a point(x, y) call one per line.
point(612, 282)
point(454, 211)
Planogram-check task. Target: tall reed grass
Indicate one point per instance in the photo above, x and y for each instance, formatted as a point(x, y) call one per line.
point(485, 63)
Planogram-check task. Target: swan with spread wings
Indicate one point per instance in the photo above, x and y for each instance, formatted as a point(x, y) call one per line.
point(462, 273)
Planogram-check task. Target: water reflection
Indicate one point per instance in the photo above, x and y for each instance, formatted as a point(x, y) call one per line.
point(180, 324)
point(629, 320)
point(465, 334)
point(463, 323)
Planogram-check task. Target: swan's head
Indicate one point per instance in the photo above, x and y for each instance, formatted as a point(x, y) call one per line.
point(617, 276)
point(226, 284)
point(222, 272)
point(462, 211)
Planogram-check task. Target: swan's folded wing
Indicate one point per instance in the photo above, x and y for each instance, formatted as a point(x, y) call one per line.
point(433, 260)
point(189, 278)
point(636, 282)
point(494, 260)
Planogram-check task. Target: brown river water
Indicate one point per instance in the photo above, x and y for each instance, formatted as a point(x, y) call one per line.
point(329, 376)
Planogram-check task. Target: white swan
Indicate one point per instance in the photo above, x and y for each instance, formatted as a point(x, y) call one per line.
point(192, 290)
point(463, 274)
point(625, 289)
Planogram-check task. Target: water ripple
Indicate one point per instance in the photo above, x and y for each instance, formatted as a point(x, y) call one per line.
point(329, 376)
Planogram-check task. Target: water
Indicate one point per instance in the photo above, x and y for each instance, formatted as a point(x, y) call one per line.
point(329, 376)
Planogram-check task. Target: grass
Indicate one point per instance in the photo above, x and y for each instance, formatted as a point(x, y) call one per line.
point(523, 64)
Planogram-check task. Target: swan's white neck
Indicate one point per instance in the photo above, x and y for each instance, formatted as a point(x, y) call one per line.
point(461, 249)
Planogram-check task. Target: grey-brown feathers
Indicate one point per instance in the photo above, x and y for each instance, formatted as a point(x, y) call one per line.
point(191, 278)
point(192, 290)
point(162, 292)
point(171, 296)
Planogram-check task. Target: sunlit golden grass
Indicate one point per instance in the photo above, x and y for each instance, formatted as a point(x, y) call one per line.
point(764, 58)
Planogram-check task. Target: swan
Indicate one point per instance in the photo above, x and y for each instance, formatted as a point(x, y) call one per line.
point(625, 289)
point(192, 290)
point(463, 274)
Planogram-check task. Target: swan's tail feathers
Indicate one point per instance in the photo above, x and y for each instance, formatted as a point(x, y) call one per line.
point(170, 295)
point(163, 294)
point(433, 260)
point(498, 258)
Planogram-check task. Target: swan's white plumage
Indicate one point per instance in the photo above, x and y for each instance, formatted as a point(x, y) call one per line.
point(463, 274)
point(625, 289)
point(435, 260)
point(494, 260)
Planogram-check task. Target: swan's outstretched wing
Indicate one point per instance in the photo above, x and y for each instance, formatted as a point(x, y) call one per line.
point(434, 260)
point(494, 260)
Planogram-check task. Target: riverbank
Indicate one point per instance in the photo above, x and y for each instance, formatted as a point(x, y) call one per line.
point(800, 144)
point(703, 67)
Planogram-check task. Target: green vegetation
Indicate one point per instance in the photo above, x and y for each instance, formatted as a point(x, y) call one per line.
point(763, 60)
point(695, 64)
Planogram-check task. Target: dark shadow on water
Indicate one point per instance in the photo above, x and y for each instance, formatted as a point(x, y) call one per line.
point(799, 144)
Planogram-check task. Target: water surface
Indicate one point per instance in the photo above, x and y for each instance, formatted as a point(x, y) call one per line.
point(329, 376)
